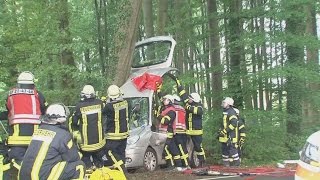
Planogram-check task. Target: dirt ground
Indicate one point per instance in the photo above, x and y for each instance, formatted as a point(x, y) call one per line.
point(160, 174)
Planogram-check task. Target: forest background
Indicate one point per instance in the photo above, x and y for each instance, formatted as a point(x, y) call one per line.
point(263, 53)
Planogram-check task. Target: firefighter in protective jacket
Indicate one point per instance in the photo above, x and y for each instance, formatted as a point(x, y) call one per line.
point(180, 136)
point(194, 118)
point(87, 127)
point(24, 106)
point(229, 134)
point(52, 153)
point(167, 118)
point(116, 111)
point(241, 132)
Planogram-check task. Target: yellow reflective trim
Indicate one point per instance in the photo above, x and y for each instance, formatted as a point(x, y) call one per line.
point(85, 129)
point(93, 147)
point(176, 157)
point(169, 135)
point(116, 163)
point(225, 121)
point(190, 121)
point(233, 117)
point(16, 130)
point(195, 110)
point(164, 118)
point(57, 171)
point(70, 123)
point(100, 128)
point(117, 121)
point(70, 143)
point(39, 160)
point(242, 126)
point(19, 140)
point(182, 92)
point(168, 156)
point(80, 168)
point(183, 156)
point(194, 132)
point(223, 139)
point(243, 134)
point(231, 127)
point(117, 135)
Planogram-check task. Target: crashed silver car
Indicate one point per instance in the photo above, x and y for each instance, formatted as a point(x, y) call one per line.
point(145, 145)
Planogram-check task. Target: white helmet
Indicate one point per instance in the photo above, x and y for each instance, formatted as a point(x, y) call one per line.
point(88, 91)
point(176, 98)
point(26, 77)
point(195, 97)
point(114, 92)
point(229, 101)
point(56, 113)
point(236, 110)
point(170, 97)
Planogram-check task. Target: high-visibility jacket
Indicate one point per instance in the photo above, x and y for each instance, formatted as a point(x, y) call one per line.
point(180, 121)
point(50, 152)
point(88, 119)
point(242, 128)
point(194, 114)
point(24, 108)
point(117, 119)
point(230, 125)
point(167, 120)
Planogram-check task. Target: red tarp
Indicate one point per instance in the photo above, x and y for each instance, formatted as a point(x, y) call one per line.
point(146, 81)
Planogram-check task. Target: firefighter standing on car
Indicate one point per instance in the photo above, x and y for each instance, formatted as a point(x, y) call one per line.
point(194, 118)
point(180, 136)
point(116, 111)
point(241, 132)
point(24, 106)
point(87, 127)
point(228, 134)
point(52, 154)
point(167, 118)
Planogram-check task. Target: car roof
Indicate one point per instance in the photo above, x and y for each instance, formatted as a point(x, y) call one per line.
point(314, 138)
point(128, 88)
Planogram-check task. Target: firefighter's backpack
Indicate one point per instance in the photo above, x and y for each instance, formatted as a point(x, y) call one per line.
point(105, 173)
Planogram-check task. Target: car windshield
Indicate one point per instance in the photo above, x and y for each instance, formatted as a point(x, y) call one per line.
point(138, 112)
point(151, 53)
point(310, 153)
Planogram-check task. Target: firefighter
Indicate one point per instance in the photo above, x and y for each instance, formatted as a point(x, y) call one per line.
point(135, 116)
point(180, 137)
point(116, 111)
point(228, 134)
point(87, 127)
point(167, 117)
point(24, 106)
point(52, 153)
point(194, 118)
point(241, 132)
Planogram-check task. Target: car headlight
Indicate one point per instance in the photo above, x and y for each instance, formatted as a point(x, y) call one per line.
point(132, 140)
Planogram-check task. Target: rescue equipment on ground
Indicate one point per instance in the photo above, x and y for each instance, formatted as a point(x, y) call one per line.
point(106, 173)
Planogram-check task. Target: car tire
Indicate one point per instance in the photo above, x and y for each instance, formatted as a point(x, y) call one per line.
point(150, 161)
point(194, 161)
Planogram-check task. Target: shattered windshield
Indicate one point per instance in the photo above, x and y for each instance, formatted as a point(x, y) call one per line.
point(138, 112)
point(151, 53)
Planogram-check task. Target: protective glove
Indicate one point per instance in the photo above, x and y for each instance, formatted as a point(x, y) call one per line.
point(223, 133)
point(241, 142)
point(159, 86)
point(188, 106)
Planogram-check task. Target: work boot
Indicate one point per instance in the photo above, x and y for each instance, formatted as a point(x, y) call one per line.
point(226, 163)
point(236, 163)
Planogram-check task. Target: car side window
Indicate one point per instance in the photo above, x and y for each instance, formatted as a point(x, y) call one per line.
point(310, 153)
point(138, 112)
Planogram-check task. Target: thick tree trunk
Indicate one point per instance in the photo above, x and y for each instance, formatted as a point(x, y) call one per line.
point(148, 17)
point(125, 41)
point(214, 54)
point(162, 16)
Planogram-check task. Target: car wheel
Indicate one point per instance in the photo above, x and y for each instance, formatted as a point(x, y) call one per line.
point(194, 161)
point(150, 159)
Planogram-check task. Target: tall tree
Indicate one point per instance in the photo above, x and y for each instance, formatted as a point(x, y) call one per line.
point(295, 53)
point(126, 39)
point(162, 16)
point(214, 53)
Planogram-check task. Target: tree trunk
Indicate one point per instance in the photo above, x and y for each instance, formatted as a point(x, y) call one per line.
point(214, 54)
point(295, 54)
point(125, 41)
point(162, 16)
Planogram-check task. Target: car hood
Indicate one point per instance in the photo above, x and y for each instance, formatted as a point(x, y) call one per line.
point(128, 88)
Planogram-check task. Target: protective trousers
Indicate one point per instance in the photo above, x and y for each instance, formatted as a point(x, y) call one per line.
point(197, 143)
point(181, 141)
point(116, 154)
point(74, 170)
point(96, 157)
point(17, 153)
point(230, 154)
point(171, 153)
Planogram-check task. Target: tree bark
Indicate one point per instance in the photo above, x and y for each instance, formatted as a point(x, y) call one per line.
point(125, 41)
point(214, 53)
point(162, 16)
